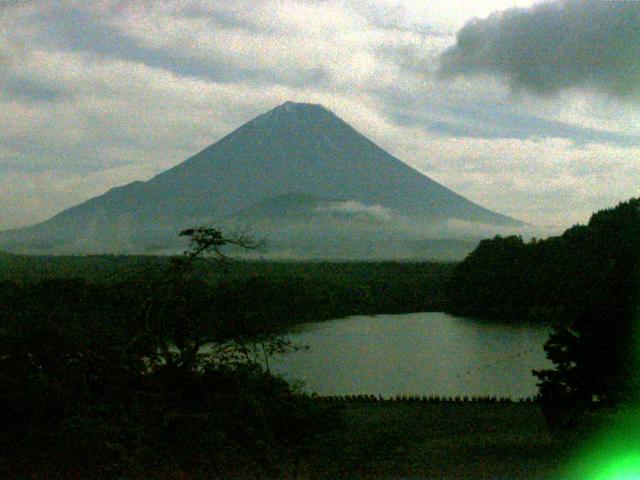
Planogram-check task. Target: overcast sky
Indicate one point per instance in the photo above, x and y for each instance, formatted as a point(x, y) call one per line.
point(529, 108)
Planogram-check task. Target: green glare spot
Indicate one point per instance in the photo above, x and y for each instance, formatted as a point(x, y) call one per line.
point(624, 468)
point(613, 453)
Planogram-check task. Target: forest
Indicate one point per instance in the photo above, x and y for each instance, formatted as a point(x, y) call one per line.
point(586, 284)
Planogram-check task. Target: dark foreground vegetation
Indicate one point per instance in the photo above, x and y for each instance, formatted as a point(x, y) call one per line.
point(110, 380)
point(586, 283)
point(99, 396)
point(119, 367)
point(444, 441)
point(145, 367)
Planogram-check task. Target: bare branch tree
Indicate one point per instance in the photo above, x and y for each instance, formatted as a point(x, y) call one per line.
point(184, 349)
point(208, 239)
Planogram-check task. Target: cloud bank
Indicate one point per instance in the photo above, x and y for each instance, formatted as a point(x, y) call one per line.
point(554, 46)
point(98, 94)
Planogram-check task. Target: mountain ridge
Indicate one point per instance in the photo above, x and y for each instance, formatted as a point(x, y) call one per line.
point(294, 147)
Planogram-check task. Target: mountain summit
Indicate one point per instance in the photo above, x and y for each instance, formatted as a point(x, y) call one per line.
point(295, 148)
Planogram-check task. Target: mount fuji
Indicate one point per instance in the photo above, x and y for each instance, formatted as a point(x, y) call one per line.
point(297, 174)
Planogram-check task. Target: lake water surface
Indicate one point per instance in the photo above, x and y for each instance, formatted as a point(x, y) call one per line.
point(418, 353)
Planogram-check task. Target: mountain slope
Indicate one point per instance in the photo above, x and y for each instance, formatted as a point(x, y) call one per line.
point(295, 147)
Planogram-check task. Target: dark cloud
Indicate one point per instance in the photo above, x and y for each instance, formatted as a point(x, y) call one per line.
point(72, 28)
point(498, 121)
point(476, 122)
point(77, 30)
point(554, 46)
point(221, 19)
point(29, 90)
point(492, 120)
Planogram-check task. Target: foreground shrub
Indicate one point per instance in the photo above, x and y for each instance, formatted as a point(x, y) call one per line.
point(88, 390)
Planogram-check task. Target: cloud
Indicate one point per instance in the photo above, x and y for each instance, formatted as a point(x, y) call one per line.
point(549, 181)
point(352, 207)
point(29, 90)
point(563, 44)
point(416, 228)
point(483, 119)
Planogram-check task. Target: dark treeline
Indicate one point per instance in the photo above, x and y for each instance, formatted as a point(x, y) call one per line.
point(585, 283)
point(312, 292)
point(551, 280)
point(294, 291)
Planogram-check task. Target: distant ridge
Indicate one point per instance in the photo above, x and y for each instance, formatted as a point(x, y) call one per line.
point(294, 149)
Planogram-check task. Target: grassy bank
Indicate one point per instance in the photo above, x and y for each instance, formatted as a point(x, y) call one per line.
point(438, 441)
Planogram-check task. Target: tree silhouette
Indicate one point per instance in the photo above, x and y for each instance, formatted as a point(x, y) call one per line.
point(585, 283)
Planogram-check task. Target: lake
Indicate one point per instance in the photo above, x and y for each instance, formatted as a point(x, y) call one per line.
point(419, 353)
